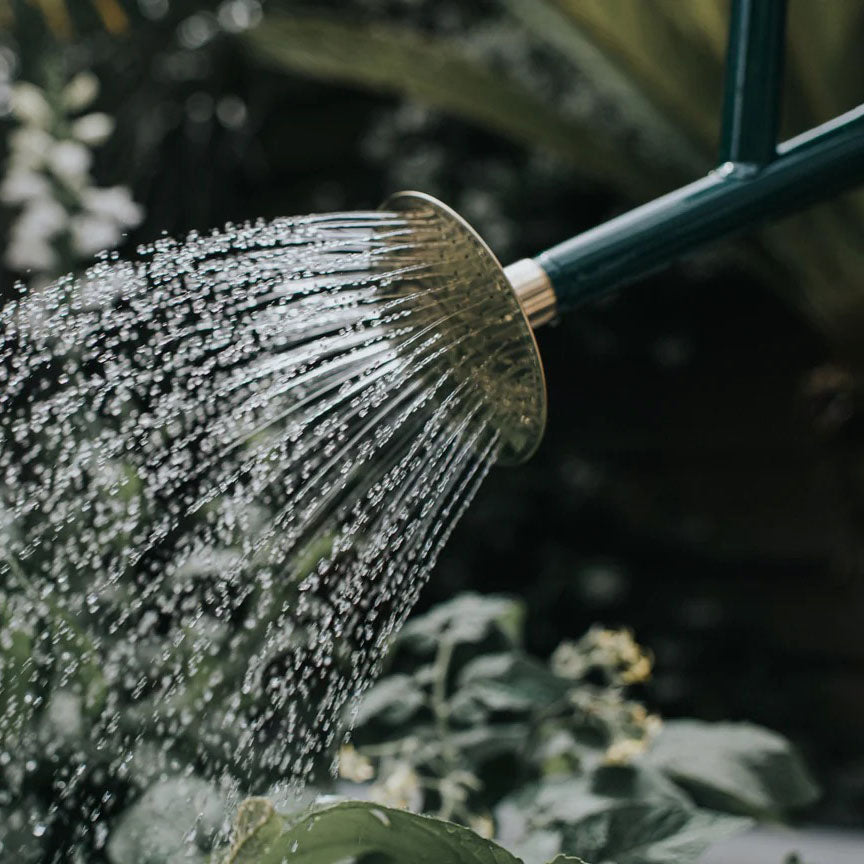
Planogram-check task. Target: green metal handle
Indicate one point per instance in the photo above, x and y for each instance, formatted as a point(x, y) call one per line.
point(754, 82)
point(756, 181)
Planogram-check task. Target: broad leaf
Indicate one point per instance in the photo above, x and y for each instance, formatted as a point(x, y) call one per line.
point(648, 833)
point(736, 767)
point(661, 828)
point(354, 830)
point(392, 701)
point(636, 782)
point(467, 618)
point(510, 682)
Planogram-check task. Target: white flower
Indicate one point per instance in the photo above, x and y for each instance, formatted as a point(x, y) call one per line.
point(42, 217)
point(86, 219)
point(29, 252)
point(29, 105)
point(21, 186)
point(113, 203)
point(80, 91)
point(93, 129)
point(28, 147)
point(92, 234)
point(70, 162)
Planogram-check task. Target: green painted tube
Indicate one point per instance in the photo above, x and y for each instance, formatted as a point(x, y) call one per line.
point(736, 196)
point(754, 81)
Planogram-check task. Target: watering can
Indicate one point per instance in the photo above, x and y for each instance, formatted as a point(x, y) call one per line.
point(756, 180)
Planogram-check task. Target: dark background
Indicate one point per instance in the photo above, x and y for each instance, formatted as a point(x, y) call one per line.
point(699, 478)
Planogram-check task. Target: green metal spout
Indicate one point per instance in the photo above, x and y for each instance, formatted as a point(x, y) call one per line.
point(732, 198)
point(756, 180)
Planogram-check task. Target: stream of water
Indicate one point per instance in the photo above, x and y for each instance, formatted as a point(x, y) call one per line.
point(226, 470)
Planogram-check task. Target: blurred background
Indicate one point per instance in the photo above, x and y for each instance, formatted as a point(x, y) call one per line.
point(702, 476)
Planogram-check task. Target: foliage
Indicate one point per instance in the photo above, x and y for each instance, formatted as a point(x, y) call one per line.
point(732, 766)
point(354, 831)
point(545, 759)
point(435, 71)
point(555, 758)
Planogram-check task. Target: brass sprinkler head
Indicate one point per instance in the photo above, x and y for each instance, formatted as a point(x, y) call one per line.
point(489, 313)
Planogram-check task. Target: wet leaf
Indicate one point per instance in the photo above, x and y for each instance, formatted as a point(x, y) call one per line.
point(354, 830)
point(257, 827)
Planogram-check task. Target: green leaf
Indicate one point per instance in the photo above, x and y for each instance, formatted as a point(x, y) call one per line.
point(392, 701)
point(563, 859)
point(355, 829)
point(551, 802)
point(648, 833)
point(510, 682)
point(437, 72)
point(735, 767)
point(663, 828)
point(466, 618)
point(636, 782)
point(619, 93)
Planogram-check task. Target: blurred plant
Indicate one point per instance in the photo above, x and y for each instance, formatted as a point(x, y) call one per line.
point(59, 16)
point(468, 727)
point(542, 759)
point(62, 218)
point(535, 762)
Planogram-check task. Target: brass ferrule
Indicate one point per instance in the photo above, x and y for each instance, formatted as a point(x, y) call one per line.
point(534, 290)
